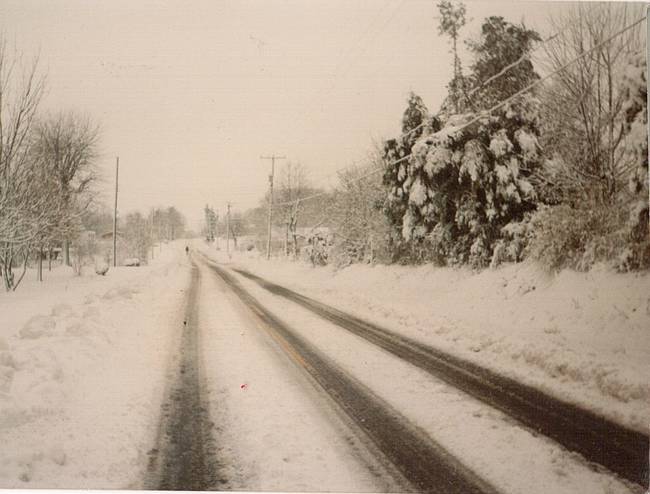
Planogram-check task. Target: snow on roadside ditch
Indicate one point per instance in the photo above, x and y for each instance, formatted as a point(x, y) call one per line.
point(584, 337)
point(82, 369)
point(510, 457)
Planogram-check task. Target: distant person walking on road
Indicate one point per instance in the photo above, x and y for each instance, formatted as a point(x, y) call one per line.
point(187, 249)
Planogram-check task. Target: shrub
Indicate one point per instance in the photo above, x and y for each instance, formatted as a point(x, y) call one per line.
point(564, 237)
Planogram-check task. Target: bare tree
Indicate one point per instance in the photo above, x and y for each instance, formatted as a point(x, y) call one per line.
point(293, 186)
point(175, 222)
point(584, 119)
point(66, 144)
point(451, 20)
point(360, 227)
point(137, 234)
point(23, 208)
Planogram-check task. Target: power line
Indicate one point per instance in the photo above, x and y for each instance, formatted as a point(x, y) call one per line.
point(488, 81)
point(525, 56)
point(349, 62)
point(485, 113)
point(491, 79)
point(474, 90)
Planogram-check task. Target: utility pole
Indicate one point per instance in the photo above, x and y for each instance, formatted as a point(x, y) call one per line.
point(117, 171)
point(228, 230)
point(272, 158)
point(216, 229)
point(153, 244)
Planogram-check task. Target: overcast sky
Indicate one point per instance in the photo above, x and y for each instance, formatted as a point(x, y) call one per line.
point(190, 94)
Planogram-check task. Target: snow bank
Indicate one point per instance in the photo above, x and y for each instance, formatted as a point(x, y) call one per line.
point(584, 337)
point(82, 363)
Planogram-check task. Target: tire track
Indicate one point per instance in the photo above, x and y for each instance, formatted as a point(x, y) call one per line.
point(423, 462)
point(617, 448)
point(184, 458)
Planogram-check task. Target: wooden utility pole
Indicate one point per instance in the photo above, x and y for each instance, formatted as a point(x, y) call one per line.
point(40, 263)
point(286, 239)
point(216, 229)
point(228, 230)
point(153, 244)
point(117, 171)
point(272, 158)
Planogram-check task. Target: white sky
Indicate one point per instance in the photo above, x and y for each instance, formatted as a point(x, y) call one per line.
point(190, 94)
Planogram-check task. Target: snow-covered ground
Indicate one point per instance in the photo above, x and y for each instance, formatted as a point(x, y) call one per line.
point(584, 337)
point(84, 360)
point(82, 373)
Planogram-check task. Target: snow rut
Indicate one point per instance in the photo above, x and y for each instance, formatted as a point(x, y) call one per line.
point(184, 458)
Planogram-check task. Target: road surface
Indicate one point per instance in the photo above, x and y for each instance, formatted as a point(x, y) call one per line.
point(260, 397)
point(602, 441)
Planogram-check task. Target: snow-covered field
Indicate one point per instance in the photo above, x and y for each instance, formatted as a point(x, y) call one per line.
point(82, 371)
point(584, 337)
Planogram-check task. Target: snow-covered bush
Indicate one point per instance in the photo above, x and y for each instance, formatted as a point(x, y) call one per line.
point(561, 234)
point(511, 247)
point(318, 248)
point(564, 237)
point(579, 234)
point(84, 249)
point(636, 119)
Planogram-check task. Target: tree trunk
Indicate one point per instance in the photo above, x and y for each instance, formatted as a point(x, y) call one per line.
point(293, 227)
point(40, 263)
point(66, 249)
point(5, 278)
point(295, 246)
point(25, 259)
point(49, 258)
point(7, 272)
point(286, 240)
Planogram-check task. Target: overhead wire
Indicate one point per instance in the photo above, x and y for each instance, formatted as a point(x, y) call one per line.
point(487, 112)
point(488, 81)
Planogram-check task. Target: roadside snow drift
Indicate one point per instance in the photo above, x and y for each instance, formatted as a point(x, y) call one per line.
point(82, 368)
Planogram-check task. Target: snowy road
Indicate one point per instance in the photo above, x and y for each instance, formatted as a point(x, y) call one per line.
point(622, 450)
point(427, 466)
point(186, 374)
point(300, 404)
point(184, 456)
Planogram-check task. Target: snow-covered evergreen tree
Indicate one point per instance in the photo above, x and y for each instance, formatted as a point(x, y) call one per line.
point(501, 44)
point(466, 184)
point(415, 123)
point(463, 184)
